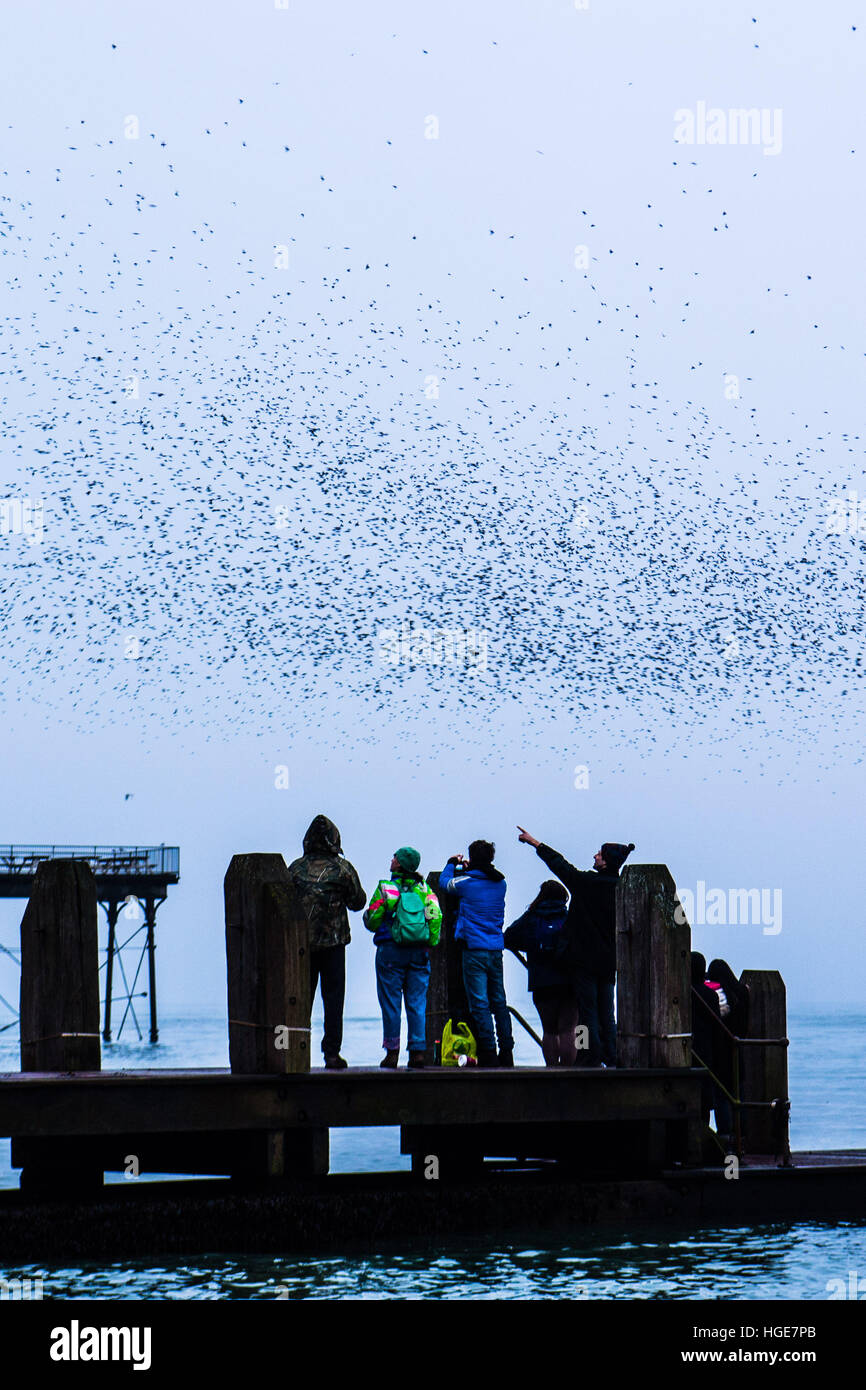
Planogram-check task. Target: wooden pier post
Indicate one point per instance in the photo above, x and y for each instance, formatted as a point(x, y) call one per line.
point(446, 993)
point(654, 992)
point(653, 952)
point(59, 1007)
point(268, 972)
point(60, 970)
point(437, 989)
point(764, 1070)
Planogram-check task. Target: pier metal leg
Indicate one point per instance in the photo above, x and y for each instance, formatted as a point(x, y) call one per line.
point(150, 906)
point(112, 910)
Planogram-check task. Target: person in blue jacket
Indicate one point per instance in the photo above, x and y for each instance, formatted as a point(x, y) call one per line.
point(538, 932)
point(480, 892)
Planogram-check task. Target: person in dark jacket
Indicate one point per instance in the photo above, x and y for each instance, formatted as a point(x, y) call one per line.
point(328, 885)
point(480, 892)
point(590, 932)
point(733, 1008)
point(538, 933)
point(705, 1016)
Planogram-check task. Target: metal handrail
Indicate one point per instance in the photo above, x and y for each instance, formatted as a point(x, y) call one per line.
point(530, 1030)
point(105, 860)
point(736, 1100)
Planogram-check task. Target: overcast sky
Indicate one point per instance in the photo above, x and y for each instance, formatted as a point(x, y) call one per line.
point(326, 319)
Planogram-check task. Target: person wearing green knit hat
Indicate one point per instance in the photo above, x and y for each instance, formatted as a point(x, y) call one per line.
point(405, 918)
point(407, 859)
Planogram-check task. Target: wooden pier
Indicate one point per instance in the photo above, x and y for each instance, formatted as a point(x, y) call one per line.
point(529, 1144)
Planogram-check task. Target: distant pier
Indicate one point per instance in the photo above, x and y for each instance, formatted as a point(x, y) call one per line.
point(120, 872)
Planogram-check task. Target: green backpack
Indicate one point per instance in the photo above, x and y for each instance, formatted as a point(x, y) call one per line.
point(409, 925)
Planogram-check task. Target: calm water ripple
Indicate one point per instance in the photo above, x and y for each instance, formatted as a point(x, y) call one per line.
point(798, 1260)
point(769, 1262)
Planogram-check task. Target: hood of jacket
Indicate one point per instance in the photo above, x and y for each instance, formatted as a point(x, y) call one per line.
point(550, 907)
point(322, 837)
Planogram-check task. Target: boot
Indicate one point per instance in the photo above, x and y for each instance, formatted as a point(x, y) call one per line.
point(506, 1057)
point(391, 1058)
point(487, 1059)
point(417, 1060)
point(336, 1064)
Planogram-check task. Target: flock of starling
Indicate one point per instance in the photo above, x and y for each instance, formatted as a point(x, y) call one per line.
point(253, 469)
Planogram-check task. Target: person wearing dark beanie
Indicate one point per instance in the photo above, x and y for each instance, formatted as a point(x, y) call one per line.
point(614, 856)
point(589, 934)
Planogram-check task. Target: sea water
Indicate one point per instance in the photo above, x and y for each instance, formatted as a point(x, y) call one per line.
point(781, 1260)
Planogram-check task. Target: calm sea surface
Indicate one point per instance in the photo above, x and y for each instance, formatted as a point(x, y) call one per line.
point(828, 1111)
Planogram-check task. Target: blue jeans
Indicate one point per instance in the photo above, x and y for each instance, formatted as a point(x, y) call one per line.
point(595, 1009)
point(403, 972)
point(485, 992)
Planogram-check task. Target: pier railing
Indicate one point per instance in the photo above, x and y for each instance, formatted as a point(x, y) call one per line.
point(127, 861)
point(775, 1109)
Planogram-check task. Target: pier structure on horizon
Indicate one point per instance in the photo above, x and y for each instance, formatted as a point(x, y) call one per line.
point(121, 873)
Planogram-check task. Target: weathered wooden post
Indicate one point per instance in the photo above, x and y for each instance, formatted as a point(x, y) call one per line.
point(446, 995)
point(59, 1005)
point(60, 970)
point(268, 973)
point(437, 990)
point(653, 999)
point(764, 1069)
point(653, 956)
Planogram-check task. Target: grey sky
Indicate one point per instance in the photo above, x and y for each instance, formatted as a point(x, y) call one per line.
point(641, 539)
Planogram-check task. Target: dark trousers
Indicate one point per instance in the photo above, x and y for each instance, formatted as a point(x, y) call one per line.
point(328, 965)
point(595, 1010)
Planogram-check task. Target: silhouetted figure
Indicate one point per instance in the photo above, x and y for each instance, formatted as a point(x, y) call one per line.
point(734, 1009)
point(405, 918)
point(710, 1045)
point(328, 885)
point(479, 888)
point(538, 932)
point(590, 941)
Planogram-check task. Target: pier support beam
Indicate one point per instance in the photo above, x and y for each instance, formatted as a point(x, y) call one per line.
point(112, 912)
point(60, 970)
point(764, 1069)
point(60, 1002)
point(446, 993)
point(268, 966)
point(653, 952)
point(654, 987)
point(150, 906)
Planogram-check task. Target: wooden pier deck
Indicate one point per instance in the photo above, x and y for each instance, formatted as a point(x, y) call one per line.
point(213, 1099)
point(209, 1121)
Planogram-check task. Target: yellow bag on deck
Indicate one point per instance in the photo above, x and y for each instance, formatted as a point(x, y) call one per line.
point(456, 1042)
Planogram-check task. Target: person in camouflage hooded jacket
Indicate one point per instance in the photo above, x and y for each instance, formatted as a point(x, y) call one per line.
point(328, 885)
